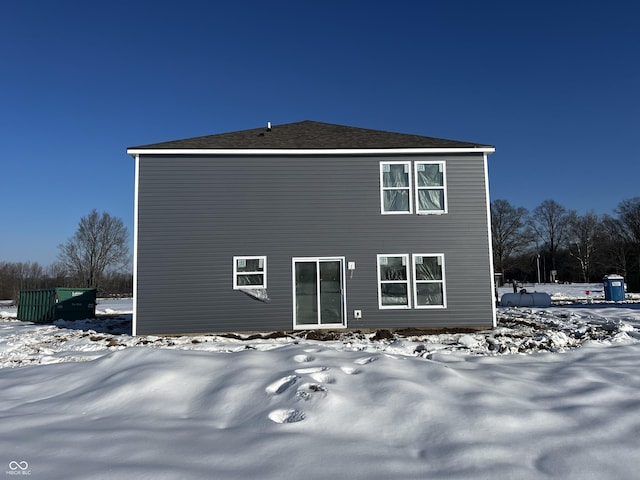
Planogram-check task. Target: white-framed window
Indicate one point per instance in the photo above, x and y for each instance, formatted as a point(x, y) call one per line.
point(249, 272)
point(393, 281)
point(428, 280)
point(395, 188)
point(419, 283)
point(401, 187)
point(431, 188)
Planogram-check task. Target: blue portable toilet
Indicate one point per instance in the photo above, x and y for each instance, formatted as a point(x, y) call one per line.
point(613, 288)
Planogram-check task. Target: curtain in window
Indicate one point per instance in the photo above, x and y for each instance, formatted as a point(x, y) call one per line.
point(430, 199)
point(396, 200)
point(253, 279)
point(430, 175)
point(428, 277)
point(395, 182)
point(427, 268)
point(430, 181)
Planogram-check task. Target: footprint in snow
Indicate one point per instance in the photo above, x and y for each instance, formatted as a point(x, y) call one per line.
point(365, 360)
point(302, 358)
point(303, 371)
point(322, 377)
point(350, 370)
point(281, 384)
point(284, 415)
point(308, 390)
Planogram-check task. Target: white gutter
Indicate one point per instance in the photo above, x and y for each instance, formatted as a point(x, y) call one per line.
point(313, 151)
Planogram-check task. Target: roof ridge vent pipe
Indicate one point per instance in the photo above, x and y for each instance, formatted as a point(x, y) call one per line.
point(268, 126)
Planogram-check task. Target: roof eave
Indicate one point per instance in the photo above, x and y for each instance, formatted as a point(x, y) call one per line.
point(310, 151)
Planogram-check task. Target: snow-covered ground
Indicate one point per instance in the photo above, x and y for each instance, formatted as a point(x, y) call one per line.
point(550, 393)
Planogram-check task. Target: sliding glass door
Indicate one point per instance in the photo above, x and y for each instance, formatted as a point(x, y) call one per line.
point(318, 292)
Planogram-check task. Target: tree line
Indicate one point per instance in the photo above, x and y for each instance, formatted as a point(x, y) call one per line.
point(96, 256)
point(554, 244)
point(547, 244)
point(17, 276)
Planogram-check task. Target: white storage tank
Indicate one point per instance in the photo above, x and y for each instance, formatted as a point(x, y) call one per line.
point(526, 299)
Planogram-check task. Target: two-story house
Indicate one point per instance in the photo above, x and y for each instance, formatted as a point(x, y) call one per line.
point(311, 225)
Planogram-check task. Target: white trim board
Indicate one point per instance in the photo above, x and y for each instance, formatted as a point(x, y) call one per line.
point(311, 151)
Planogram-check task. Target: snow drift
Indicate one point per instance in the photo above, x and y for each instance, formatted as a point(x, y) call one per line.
point(89, 404)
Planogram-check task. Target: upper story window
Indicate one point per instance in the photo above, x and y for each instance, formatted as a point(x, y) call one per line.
point(430, 187)
point(395, 187)
point(401, 186)
point(249, 272)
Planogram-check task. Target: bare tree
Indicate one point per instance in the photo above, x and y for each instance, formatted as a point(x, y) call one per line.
point(549, 221)
point(508, 232)
point(629, 221)
point(614, 253)
point(99, 244)
point(17, 276)
point(584, 232)
point(58, 275)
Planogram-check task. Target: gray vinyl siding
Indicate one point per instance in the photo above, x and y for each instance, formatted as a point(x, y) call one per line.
point(196, 212)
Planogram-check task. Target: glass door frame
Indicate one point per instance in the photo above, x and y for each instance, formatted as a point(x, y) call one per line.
point(343, 305)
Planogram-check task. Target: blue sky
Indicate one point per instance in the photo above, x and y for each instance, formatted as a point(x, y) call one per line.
point(553, 85)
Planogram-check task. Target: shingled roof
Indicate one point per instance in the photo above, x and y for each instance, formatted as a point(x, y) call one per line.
point(307, 135)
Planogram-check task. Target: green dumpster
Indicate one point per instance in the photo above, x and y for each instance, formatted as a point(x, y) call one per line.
point(47, 305)
point(37, 305)
point(75, 303)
